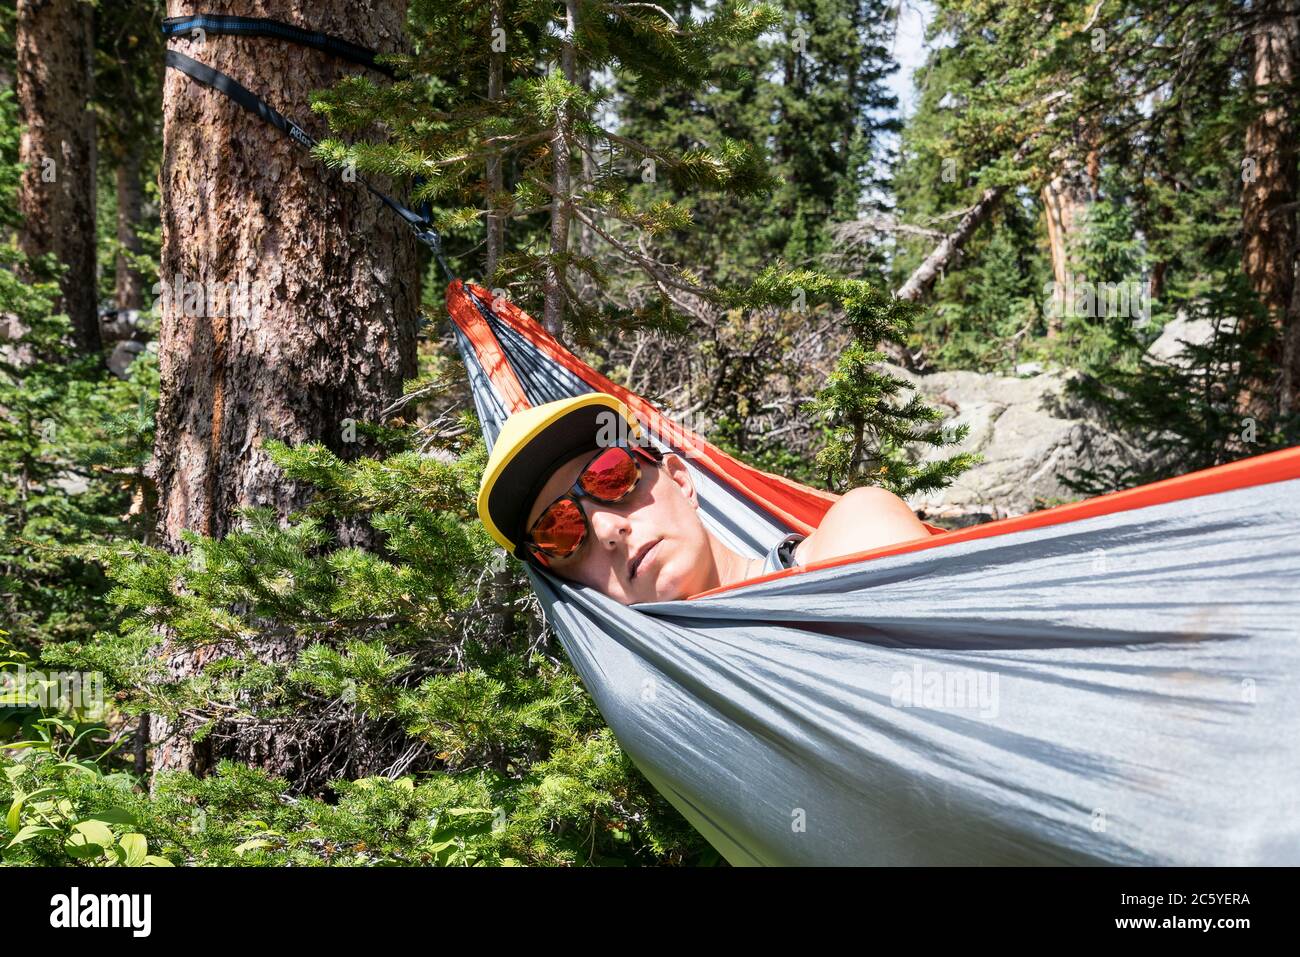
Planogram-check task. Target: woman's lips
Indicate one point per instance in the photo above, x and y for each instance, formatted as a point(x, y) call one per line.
point(639, 559)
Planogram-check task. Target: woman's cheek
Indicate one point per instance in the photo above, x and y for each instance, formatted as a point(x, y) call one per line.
point(678, 575)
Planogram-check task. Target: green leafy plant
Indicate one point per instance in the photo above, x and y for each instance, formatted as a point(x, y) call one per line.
point(47, 821)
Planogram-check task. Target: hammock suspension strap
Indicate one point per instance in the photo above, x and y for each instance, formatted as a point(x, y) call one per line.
point(421, 222)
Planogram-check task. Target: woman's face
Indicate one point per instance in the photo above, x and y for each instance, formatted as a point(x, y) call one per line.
point(651, 546)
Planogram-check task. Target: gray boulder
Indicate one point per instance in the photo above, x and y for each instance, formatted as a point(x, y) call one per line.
point(123, 354)
point(119, 324)
point(1028, 430)
point(1170, 347)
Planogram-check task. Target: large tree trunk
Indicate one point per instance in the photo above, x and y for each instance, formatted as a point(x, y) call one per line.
point(55, 45)
point(325, 332)
point(1268, 208)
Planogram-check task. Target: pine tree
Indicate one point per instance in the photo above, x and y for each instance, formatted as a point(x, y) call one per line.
point(297, 344)
point(490, 751)
point(73, 444)
point(872, 429)
point(442, 135)
point(811, 93)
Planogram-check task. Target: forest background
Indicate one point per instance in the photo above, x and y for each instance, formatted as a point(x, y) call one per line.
point(247, 613)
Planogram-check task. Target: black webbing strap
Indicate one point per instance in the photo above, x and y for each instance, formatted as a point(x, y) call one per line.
point(421, 223)
point(241, 95)
point(263, 27)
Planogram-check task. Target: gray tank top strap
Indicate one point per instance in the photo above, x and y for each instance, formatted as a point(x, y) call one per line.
point(781, 555)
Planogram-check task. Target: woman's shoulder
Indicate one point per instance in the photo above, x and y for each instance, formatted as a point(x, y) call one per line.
point(862, 518)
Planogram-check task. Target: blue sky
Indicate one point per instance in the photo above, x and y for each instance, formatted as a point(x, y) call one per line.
point(909, 50)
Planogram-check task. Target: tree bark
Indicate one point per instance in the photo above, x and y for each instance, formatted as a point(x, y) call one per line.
point(1060, 206)
point(1268, 208)
point(127, 287)
point(561, 186)
point(1065, 201)
point(923, 278)
point(496, 183)
point(1065, 198)
point(307, 290)
point(56, 196)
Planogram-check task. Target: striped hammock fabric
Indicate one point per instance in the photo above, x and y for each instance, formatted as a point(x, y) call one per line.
point(1114, 681)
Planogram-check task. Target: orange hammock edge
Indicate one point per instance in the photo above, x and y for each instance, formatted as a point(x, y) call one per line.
point(1270, 467)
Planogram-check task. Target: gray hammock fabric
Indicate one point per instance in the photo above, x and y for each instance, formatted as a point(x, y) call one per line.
point(1113, 689)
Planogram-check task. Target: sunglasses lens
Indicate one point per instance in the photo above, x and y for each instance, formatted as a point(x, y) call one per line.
point(611, 476)
point(560, 529)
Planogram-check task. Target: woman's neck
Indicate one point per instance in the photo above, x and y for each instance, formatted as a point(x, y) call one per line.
point(731, 568)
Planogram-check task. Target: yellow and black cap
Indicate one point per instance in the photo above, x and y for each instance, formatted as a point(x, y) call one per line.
point(533, 444)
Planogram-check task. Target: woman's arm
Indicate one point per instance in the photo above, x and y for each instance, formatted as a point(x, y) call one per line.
point(863, 518)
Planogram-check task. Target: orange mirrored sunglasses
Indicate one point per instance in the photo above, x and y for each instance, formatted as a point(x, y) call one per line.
point(609, 477)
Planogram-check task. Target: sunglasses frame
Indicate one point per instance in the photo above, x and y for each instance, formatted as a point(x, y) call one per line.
point(576, 493)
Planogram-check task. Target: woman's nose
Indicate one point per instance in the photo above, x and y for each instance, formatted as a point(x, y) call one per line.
point(609, 526)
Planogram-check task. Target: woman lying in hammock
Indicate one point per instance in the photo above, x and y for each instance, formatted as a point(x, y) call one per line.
point(571, 487)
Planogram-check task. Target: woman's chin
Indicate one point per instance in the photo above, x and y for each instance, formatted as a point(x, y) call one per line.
point(670, 584)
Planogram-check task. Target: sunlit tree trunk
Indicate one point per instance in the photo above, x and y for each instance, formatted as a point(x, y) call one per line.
point(1066, 197)
point(1270, 188)
point(306, 291)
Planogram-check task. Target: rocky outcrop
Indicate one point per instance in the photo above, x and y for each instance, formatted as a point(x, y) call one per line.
point(1028, 429)
point(1183, 330)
